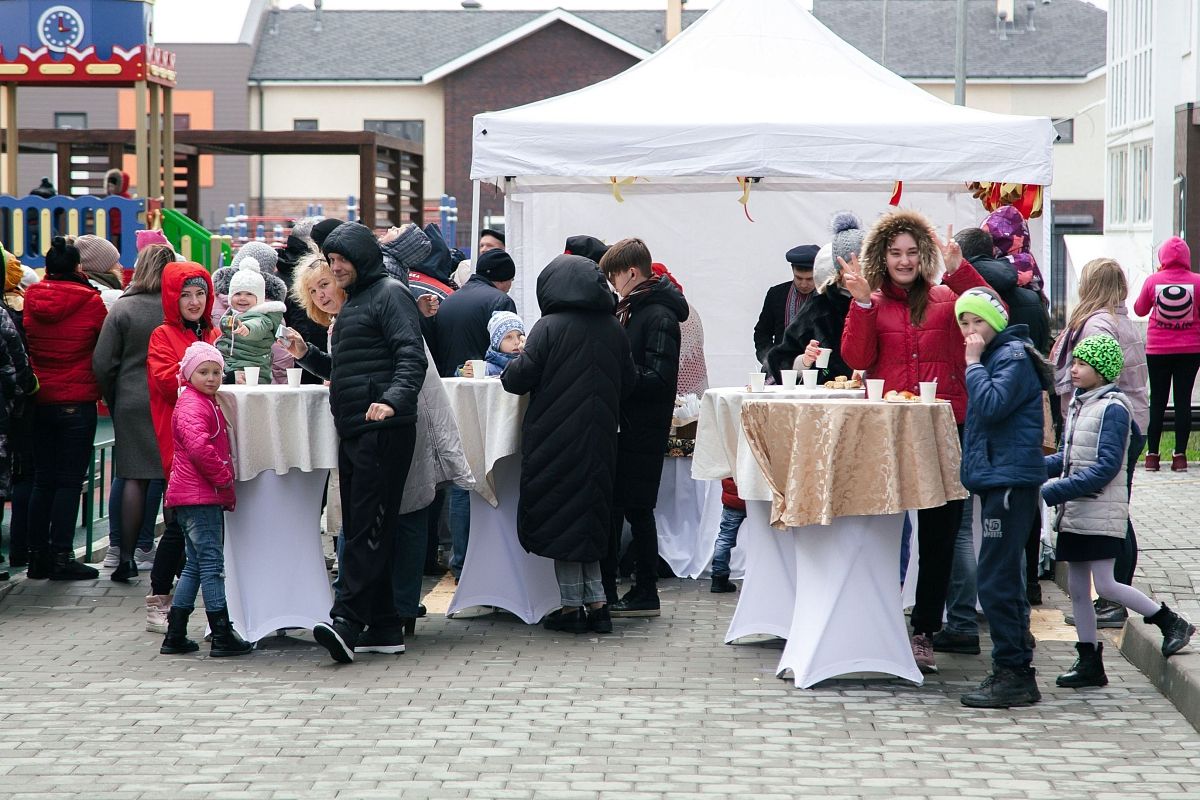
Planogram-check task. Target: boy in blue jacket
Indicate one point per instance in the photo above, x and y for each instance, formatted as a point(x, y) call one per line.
point(1002, 463)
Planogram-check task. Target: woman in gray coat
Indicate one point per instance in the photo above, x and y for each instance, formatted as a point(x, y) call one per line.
point(119, 362)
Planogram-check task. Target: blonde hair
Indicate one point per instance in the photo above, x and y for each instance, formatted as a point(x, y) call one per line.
point(1102, 287)
point(148, 269)
point(309, 269)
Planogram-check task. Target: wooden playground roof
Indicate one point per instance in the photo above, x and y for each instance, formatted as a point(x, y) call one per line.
point(391, 170)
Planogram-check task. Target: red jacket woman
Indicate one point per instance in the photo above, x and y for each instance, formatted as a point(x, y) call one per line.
point(63, 317)
point(187, 301)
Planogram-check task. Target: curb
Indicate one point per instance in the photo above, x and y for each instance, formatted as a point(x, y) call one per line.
point(1177, 677)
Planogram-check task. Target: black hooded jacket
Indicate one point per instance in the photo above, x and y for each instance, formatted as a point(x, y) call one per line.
point(1024, 305)
point(822, 318)
point(377, 352)
point(654, 336)
point(460, 327)
point(576, 368)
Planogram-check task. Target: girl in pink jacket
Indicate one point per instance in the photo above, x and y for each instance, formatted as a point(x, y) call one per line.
point(200, 489)
point(1169, 296)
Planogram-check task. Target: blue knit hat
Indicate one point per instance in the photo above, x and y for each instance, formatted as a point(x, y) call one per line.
point(499, 326)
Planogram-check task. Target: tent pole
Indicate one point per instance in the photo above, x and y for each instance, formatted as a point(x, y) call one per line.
point(474, 221)
point(960, 54)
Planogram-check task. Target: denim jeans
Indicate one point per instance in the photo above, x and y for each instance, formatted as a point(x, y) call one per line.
point(731, 521)
point(204, 537)
point(154, 496)
point(460, 527)
point(64, 433)
point(1006, 517)
point(961, 593)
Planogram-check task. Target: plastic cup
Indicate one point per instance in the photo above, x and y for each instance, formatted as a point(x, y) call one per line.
point(810, 379)
point(758, 382)
point(252, 375)
point(787, 378)
point(478, 368)
point(874, 388)
point(293, 375)
point(239, 376)
point(928, 391)
point(823, 359)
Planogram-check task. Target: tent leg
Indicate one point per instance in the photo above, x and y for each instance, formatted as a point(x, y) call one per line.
point(474, 221)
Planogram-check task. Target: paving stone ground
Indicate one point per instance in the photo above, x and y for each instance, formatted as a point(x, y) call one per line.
point(491, 708)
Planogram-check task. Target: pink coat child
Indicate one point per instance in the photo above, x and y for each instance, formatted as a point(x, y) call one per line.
point(202, 472)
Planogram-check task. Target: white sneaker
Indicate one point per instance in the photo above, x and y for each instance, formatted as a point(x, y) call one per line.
point(144, 558)
point(112, 558)
point(157, 608)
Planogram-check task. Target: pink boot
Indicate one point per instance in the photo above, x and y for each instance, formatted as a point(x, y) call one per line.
point(157, 608)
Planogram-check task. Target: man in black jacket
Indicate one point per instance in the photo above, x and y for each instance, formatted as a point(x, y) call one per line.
point(461, 321)
point(1025, 306)
point(784, 301)
point(376, 367)
point(650, 311)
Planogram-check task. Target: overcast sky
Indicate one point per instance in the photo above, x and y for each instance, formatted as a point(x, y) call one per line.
point(221, 20)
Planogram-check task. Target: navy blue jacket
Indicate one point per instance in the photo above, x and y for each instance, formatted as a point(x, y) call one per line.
point(1002, 441)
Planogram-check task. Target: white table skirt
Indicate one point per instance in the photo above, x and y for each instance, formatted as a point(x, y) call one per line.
point(274, 566)
point(765, 604)
point(497, 570)
point(687, 517)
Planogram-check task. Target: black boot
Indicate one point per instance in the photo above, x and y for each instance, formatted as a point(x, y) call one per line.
point(64, 567)
point(225, 640)
point(176, 641)
point(1088, 669)
point(721, 585)
point(640, 601)
point(39, 565)
point(567, 620)
point(124, 571)
point(599, 620)
point(1176, 630)
point(1004, 688)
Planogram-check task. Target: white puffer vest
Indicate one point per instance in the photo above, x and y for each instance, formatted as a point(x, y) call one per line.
point(1107, 513)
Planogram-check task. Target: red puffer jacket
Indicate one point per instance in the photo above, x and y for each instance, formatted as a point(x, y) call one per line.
point(202, 469)
point(63, 318)
point(729, 495)
point(882, 341)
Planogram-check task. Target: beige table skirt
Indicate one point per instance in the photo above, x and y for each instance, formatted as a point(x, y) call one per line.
point(825, 459)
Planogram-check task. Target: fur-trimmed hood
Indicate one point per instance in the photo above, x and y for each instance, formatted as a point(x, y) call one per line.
point(888, 227)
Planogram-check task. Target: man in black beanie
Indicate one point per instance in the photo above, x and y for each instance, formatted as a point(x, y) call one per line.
point(784, 301)
point(323, 229)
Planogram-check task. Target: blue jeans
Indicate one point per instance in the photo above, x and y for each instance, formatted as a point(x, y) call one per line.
point(154, 495)
point(203, 535)
point(731, 521)
point(961, 594)
point(64, 434)
point(460, 527)
point(1007, 515)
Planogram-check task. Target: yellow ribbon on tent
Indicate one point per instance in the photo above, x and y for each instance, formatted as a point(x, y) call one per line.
point(745, 183)
point(617, 183)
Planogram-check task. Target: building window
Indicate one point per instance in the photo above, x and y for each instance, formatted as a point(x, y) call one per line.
point(1117, 184)
point(1142, 157)
point(1130, 72)
point(72, 119)
point(304, 125)
point(183, 122)
point(1065, 128)
point(411, 129)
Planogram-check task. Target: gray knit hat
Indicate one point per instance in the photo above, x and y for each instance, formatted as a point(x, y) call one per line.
point(847, 236)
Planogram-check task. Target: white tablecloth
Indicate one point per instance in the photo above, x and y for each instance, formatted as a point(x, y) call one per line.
point(284, 444)
point(489, 422)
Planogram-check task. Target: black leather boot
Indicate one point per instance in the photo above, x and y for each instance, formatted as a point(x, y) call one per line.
point(124, 571)
point(176, 641)
point(1088, 669)
point(225, 640)
point(1176, 630)
point(64, 567)
point(39, 565)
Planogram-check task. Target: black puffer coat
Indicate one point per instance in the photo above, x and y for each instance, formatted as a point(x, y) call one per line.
point(461, 323)
point(653, 331)
point(822, 318)
point(378, 355)
point(576, 367)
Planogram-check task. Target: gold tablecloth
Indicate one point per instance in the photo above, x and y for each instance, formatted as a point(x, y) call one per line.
point(825, 459)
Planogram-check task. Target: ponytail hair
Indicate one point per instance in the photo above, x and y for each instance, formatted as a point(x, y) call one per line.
point(62, 258)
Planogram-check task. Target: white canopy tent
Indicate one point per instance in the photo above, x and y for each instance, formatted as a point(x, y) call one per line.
point(754, 88)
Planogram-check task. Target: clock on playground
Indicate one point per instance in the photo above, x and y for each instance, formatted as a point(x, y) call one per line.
point(60, 27)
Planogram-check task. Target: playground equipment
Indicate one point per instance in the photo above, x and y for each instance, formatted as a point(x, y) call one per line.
point(195, 242)
point(27, 224)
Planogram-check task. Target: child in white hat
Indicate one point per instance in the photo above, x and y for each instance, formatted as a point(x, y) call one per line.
point(248, 327)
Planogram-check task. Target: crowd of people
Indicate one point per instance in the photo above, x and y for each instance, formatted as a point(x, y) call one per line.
point(383, 320)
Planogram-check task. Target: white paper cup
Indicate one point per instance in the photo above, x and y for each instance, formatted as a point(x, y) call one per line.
point(252, 376)
point(293, 375)
point(478, 368)
point(928, 391)
point(758, 381)
point(823, 359)
point(787, 378)
point(810, 379)
point(874, 388)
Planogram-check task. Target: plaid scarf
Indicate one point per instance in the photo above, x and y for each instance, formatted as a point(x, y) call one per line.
point(624, 308)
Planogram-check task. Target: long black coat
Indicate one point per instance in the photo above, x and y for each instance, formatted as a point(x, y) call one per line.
point(653, 330)
point(576, 367)
point(822, 318)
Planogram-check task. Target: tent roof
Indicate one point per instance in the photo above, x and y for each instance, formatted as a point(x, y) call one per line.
point(760, 88)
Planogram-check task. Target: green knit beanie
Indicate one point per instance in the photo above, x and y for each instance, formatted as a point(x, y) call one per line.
point(1103, 354)
point(985, 304)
